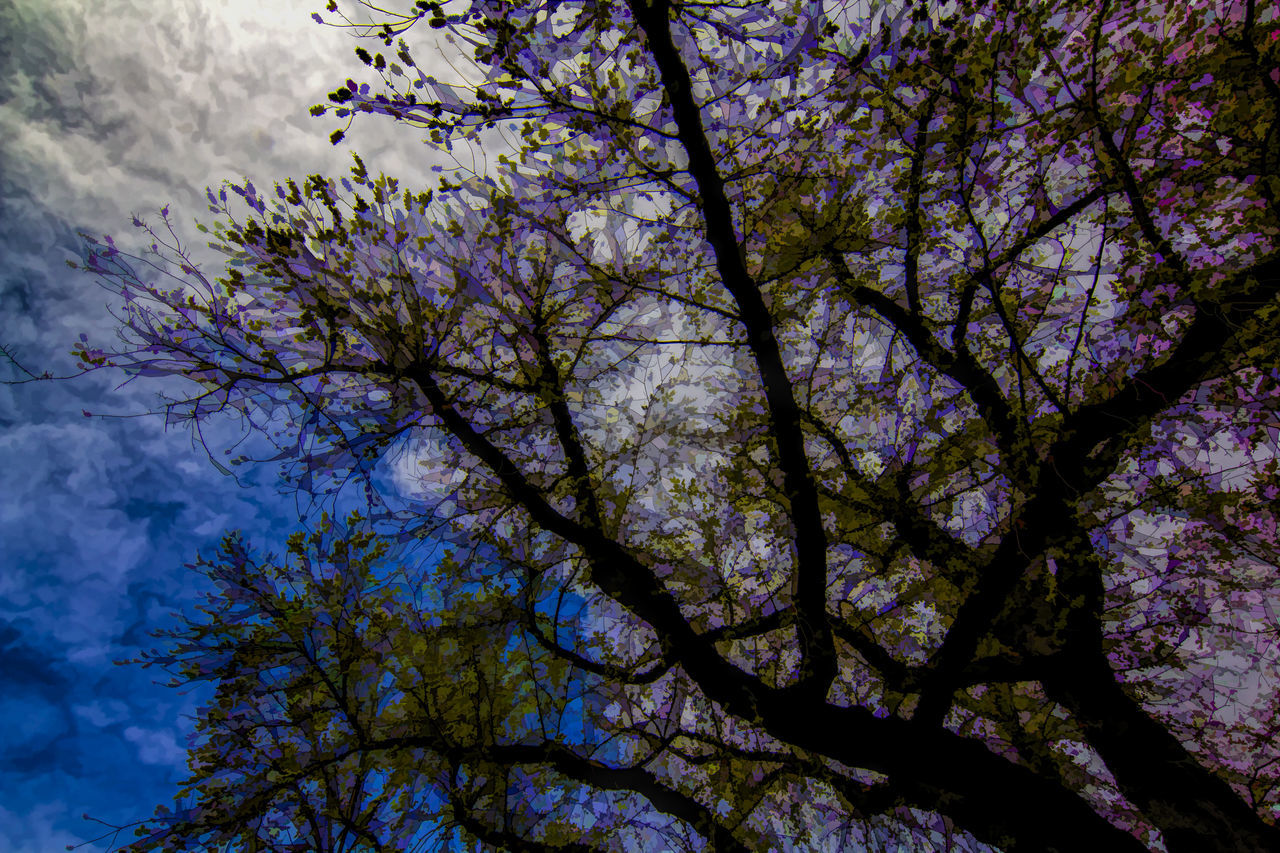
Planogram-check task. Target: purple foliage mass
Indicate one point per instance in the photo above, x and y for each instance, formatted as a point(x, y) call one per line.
point(853, 426)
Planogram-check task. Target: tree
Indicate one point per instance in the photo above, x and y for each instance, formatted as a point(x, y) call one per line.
point(849, 422)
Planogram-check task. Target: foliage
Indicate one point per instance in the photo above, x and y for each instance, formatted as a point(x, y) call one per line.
point(860, 419)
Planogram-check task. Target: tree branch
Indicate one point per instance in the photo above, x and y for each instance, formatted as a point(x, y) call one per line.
point(818, 661)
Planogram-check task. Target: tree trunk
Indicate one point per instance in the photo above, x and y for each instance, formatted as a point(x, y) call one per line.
point(1196, 811)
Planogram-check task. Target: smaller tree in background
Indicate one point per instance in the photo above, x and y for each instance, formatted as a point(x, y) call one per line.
point(363, 705)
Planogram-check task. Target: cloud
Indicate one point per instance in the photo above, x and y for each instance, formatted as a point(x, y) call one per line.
point(25, 664)
point(220, 91)
point(104, 712)
point(156, 746)
point(33, 724)
point(37, 830)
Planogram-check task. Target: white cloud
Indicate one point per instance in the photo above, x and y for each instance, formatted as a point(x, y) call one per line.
point(165, 98)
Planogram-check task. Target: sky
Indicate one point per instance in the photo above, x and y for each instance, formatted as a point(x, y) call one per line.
point(107, 110)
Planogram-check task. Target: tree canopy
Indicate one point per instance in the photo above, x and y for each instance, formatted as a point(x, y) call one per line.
point(845, 426)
